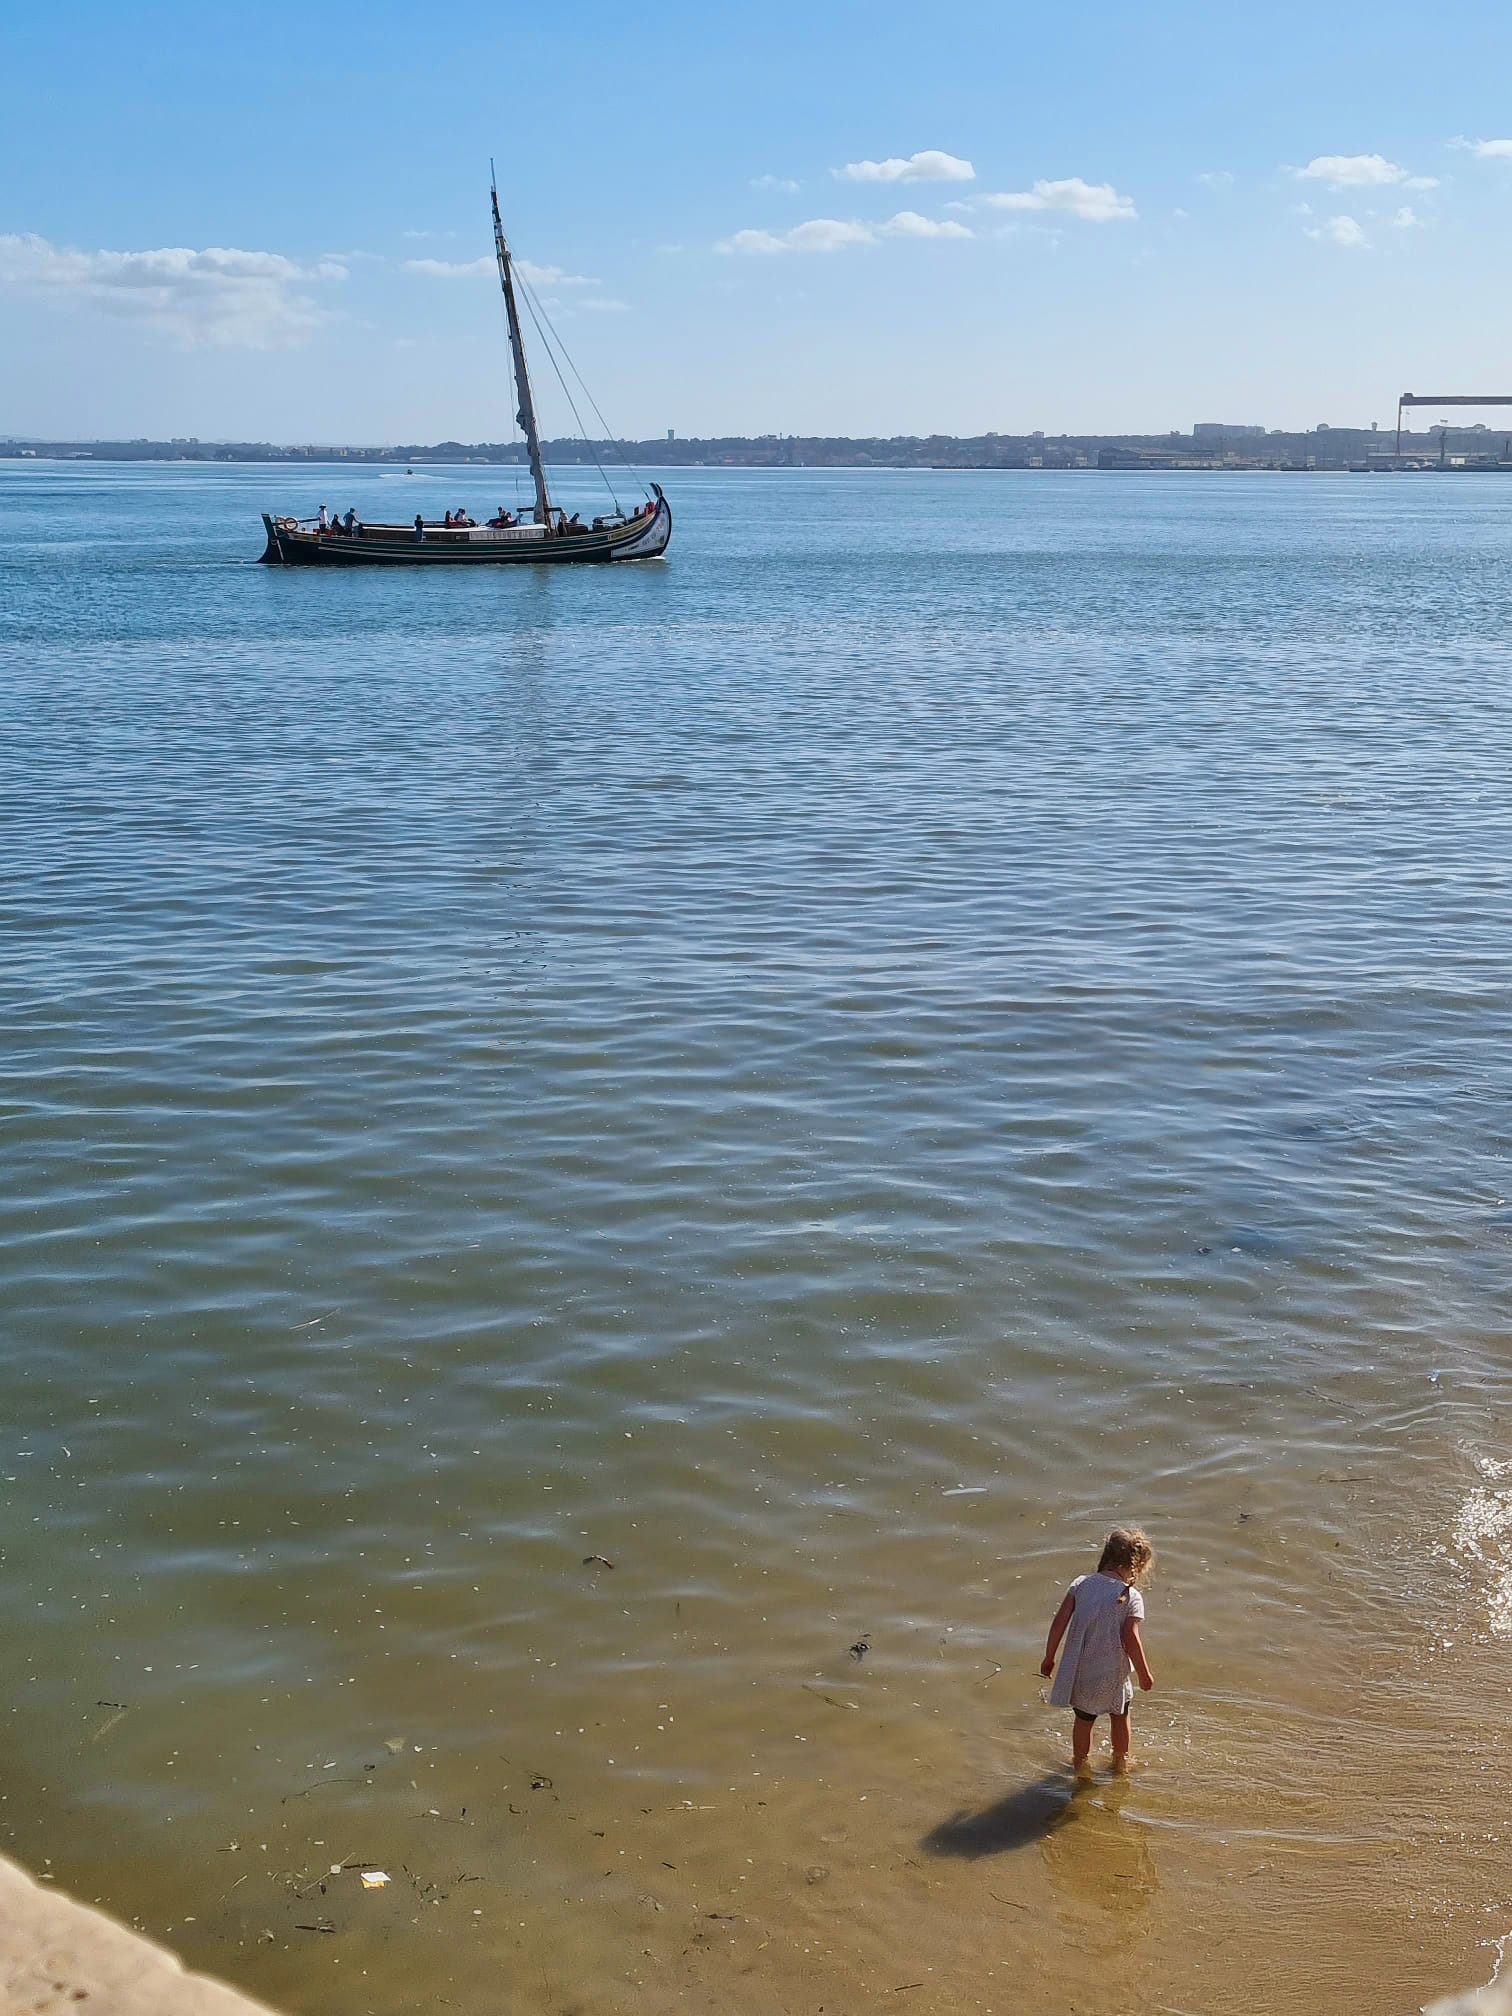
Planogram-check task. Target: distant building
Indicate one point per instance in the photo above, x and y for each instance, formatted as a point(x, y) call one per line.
point(1123, 456)
point(671, 433)
point(1218, 430)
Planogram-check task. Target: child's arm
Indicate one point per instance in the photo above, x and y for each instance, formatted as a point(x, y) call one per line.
point(1058, 1625)
point(1134, 1646)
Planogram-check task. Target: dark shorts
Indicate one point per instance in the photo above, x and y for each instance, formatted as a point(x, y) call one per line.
point(1082, 1715)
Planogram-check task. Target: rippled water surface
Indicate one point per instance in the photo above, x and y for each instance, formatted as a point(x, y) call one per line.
point(821, 1073)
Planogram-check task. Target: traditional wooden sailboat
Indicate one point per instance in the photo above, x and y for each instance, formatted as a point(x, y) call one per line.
point(548, 537)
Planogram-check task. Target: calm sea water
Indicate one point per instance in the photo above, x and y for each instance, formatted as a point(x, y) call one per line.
point(821, 1073)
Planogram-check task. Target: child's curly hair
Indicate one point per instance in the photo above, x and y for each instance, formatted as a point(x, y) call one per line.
point(1127, 1552)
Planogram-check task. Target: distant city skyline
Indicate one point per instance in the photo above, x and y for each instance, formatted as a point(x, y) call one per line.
point(808, 221)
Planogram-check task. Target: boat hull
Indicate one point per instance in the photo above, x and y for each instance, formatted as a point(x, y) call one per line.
point(291, 545)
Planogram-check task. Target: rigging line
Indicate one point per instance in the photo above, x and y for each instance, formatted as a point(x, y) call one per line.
point(530, 304)
point(533, 306)
point(571, 365)
point(609, 435)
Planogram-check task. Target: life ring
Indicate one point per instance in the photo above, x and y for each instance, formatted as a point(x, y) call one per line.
point(286, 524)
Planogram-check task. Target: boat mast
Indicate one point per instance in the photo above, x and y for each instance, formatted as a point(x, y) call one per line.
point(527, 416)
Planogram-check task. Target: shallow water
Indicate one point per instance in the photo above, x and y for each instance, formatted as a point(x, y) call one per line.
point(818, 1074)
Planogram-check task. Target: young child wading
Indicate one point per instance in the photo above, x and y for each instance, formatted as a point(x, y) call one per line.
point(1099, 1621)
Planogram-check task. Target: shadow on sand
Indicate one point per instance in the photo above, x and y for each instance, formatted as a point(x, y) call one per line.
point(1025, 1816)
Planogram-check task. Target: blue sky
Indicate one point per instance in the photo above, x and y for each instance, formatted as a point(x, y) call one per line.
point(827, 218)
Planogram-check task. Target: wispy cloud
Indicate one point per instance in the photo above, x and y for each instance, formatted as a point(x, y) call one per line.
point(909, 224)
point(604, 304)
point(1361, 171)
point(1217, 178)
point(549, 276)
point(820, 234)
point(1487, 150)
point(1345, 231)
point(474, 269)
point(1406, 219)
point(450, 269)
point(1093, 202)
point(218, 297)
point(929, 166)
point(779, 184)
point(835, 234)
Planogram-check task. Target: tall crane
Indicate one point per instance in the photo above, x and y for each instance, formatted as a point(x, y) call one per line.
point(1446, 399)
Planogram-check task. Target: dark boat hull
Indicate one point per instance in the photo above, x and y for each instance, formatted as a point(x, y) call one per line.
point(290, 545)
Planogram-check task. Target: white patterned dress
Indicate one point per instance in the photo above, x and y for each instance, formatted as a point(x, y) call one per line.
point(1094, 1675)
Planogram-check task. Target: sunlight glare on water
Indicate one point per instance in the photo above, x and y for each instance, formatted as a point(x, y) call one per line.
point(580, 1144)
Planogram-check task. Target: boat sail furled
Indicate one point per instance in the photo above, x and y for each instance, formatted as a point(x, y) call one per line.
point(549, 537)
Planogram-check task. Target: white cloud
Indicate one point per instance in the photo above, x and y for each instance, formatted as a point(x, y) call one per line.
point(834, 234)
point(752, 241)
point(929, 166)
point(219, 297)
point(1217, 178)
point(449, 269)
point(909, 224)
point(548, 276)
point(828, 234)
point(1488, 150)
point(1094, 202)
point(820, 234)
point(1340, 231)
point(476, 269)
point(1406, 219)
point(778, 183)
point(1361, 171)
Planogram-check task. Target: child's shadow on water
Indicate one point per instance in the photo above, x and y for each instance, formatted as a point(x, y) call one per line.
point(1028, 1815)
point(1095, 1856)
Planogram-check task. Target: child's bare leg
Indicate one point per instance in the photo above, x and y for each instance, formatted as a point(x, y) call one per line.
point(1118, 1728)
point(1081, 1740)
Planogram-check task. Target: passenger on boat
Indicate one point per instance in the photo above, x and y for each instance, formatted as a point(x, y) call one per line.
point(419, 529)
point(504, 518)
point(461, 518)
point(349, 523)
point(448, 520)
point(325, 520)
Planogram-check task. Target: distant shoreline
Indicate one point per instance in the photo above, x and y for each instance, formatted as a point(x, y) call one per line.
point(1206, 448)
point(1414, 466)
